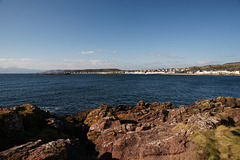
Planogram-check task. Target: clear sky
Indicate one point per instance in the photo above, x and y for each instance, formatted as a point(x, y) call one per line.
point(124, 34)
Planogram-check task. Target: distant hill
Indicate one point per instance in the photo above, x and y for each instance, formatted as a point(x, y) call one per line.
point(18, 70)
point(83, 71)
point(94, 70)
point(227, 66)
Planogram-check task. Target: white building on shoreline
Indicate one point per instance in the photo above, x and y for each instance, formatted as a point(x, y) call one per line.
point(220, 72)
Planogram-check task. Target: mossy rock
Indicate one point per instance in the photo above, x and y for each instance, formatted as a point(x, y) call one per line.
point(221, 143)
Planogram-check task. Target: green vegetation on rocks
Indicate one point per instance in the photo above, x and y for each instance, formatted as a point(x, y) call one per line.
point(221, 143)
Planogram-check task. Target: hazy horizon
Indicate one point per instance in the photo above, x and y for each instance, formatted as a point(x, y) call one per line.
point(43, 35)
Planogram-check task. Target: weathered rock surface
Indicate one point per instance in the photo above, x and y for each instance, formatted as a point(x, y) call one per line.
point(60, 149)
point(145, 131)
point(21, 124)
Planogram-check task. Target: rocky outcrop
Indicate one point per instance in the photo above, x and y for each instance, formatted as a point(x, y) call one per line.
point(15, 121)
point(24, 123)
point(157, 131)
point(60, 149)
point(214, 105)
point(147, 131)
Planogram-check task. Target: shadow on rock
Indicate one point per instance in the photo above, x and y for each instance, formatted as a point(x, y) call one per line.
point(107, 156)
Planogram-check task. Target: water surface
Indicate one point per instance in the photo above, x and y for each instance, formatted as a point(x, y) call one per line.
point(68, 94)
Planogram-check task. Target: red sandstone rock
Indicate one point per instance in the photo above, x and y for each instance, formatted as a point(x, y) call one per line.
point(143, 132)
point(204, 121)
point(156, 143)
point(60, 149)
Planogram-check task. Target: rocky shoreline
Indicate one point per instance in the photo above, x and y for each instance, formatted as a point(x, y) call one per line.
point(206, 129)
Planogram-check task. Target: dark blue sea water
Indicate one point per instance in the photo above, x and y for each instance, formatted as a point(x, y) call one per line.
point(68, 94)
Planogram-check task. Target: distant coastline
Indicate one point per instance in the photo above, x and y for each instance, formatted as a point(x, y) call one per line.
point(227, 69)
point(178, 74)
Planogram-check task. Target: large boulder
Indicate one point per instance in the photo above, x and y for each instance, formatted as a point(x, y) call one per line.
point(24, 123)
point(15, 121)
point(232, 114)
point(229, 102)
point(94, 115)
point(157, 143)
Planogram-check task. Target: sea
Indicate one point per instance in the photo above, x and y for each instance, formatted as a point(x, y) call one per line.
point(69, 94)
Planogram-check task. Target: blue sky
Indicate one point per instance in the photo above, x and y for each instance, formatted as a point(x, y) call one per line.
point(125, 34)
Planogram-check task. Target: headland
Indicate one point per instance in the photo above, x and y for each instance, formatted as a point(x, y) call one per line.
point(224, 69)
